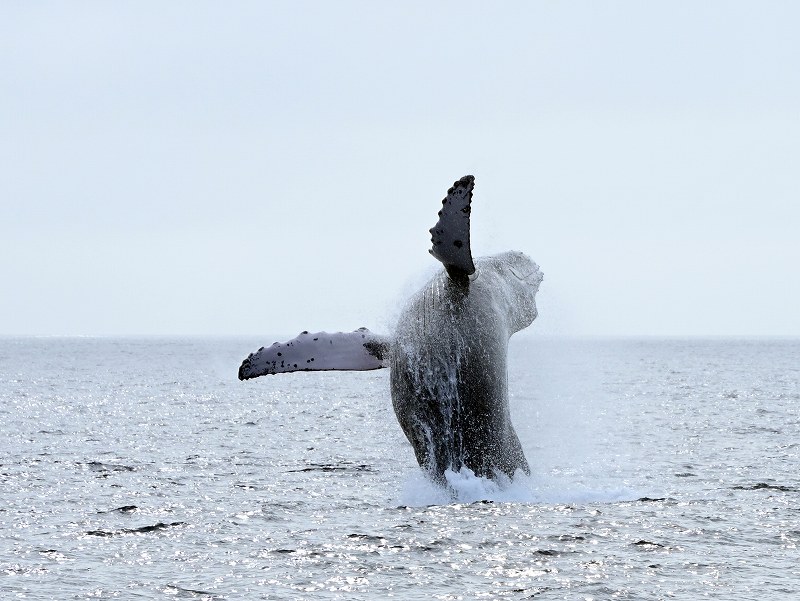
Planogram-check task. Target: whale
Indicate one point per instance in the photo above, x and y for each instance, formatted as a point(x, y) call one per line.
point(447, 356)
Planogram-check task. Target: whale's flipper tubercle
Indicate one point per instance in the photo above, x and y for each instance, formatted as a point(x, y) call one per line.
point(450, 235)
point(360, 350)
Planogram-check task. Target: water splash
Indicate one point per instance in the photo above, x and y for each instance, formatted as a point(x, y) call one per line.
point(463, 486)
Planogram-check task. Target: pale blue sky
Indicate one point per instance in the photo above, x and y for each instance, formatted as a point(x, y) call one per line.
point(264, 167)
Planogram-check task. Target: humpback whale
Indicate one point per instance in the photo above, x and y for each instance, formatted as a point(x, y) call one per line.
point(448, 354)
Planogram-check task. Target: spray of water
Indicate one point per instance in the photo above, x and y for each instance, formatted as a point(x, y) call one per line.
point(463, 486)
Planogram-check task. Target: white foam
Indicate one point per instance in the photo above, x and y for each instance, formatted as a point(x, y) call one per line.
point(464, 486)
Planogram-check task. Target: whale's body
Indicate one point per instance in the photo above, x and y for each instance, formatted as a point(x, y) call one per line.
point(448, 355)
point(449, 377)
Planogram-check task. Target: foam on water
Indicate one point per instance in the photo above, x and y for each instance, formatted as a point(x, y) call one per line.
point(463, 486)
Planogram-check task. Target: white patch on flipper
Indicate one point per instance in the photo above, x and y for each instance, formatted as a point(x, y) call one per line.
point(360, 350)
point(450, 235)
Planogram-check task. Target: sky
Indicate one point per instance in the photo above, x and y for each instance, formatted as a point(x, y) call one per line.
point(238, 168)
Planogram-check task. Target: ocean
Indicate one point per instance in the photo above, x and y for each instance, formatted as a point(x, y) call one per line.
point(142, 468)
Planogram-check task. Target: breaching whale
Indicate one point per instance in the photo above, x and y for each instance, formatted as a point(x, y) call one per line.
point(448, 354)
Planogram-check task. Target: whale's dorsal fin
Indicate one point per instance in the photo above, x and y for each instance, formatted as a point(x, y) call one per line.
point(450, 235)
point(360, 350)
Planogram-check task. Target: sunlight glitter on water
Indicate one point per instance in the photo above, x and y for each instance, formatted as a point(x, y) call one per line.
point(651, 479)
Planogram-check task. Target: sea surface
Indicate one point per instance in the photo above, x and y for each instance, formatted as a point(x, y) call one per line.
point(141, 468)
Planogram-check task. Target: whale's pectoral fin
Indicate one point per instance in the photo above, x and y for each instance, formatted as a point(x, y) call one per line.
point(359, 350)
point(450, 235)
